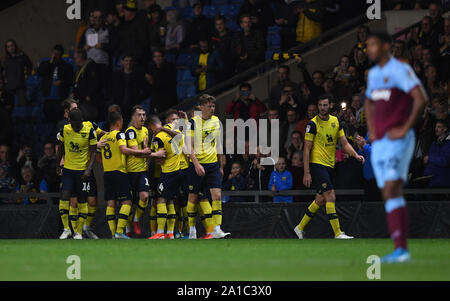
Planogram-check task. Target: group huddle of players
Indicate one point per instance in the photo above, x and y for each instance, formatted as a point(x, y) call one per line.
point(186, 173)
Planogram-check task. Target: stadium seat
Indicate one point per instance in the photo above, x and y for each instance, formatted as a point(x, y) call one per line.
point(171, 57)
point(271, 51)
point(187, 13)
point(210, 11)
point(184, 60)
point(229, 10)
point(232, 25)
point(184, 75)
point(186, 89)
point(273, 40)
point(218, 2)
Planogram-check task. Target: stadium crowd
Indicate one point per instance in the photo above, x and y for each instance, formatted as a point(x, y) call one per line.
point(157, 57)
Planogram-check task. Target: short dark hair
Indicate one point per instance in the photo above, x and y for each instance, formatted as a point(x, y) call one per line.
point(220, 18)
point(114, 117)
point(135, 108)
point(170, 112)
point(382, 36)
point(320, 72)
point(206, 98)
point(442, 121)
point(114, 108)
point(76, 115)
point(245, 85)
point(326, 96)
point(244, 16)
point(159, 50)
point(153, 119)
point(285, 67)
point(66, 103)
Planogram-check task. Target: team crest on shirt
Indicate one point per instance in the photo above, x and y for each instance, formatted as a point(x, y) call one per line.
point(191, 187)
point(324, 185)
point(308, 128)
point(333, 125)
point(83, 135)
point(131, 135)
point(283, 178)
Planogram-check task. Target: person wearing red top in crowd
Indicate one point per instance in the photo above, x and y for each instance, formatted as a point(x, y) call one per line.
point(310, 113)
point(245, 105)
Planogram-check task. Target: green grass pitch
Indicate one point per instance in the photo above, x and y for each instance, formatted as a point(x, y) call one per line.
point(232, 259)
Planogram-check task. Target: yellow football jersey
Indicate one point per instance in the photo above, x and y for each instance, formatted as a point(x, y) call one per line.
point(97, 130)
point(184, 160)
point(136, 137)
point(324, 135)
point(162, 140)
point(205, 134)
point(76, 146)
point(112, 158)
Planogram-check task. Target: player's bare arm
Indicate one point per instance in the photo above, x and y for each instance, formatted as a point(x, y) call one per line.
point(307, 180)
point(368, 111)
point(198, 167)
point(348, 148)
point(59, 156)
point(92, 154)
point(419, 100)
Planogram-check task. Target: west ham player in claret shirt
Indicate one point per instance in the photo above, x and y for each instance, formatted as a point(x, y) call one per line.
point(395, 100)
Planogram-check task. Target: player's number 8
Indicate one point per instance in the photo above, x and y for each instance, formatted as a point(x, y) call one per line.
point(107, 152)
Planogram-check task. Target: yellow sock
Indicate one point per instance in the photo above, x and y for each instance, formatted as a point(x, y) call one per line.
point(310, 212)
point(171, 217)
point(332, 216)
point(202, 216)
point(64, 213)
point(123, 218)
point(153, 219)
point(190, 209)
point(207, 210)
point(73, 217)
point(140, 208)
point(82, 215)
point(217, 212)
point(90, 216)
point(161, 219)
point(111, 218)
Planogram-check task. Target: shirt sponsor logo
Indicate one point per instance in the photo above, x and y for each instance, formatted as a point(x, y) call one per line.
point(381, 94)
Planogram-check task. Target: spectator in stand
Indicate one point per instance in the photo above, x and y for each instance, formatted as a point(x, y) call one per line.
point(290, 99)
point(7, 183)
point(174, 34)
point(426, 36)
point(6, 107)
point(259, 175)
point(248, 46)
point(286, 19)
point(361, 41)
point(161, 75)
point(156, 26)
point(87, 86)
point(114, 23)
point(57, 78)
point(206, 66)
point(29, 183)
point(313, 83)
point(359, 109)
point(296, 145)
point(280, 180)
point(399, 51)
point(427, 57)
point(283, 78)
point(444, 50)
point(95, 42)
point(310, 16)
point(341, 72)
point(245, 105)
point(133, 33)
point(236, 182)
point(9, 165)
point(221, 42)
point(16, 69)
point(311, 112)
point(128, 86)
point(431, 80)
point(144, 12)
point(26, 157)
point(288, 127)
point(261, 13)
point(370, 185)
point(438, 159)
point(297, 171)
point(47, 167)
point(201, 27)
point(437, 21)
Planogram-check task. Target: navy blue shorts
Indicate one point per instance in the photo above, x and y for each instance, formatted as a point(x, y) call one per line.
point(212, 178)
point(153, 188)
point(139, 183)
point(169, 185)
point(117, 186)
point(322, 177)
point(71, 181)
point(184, 182)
